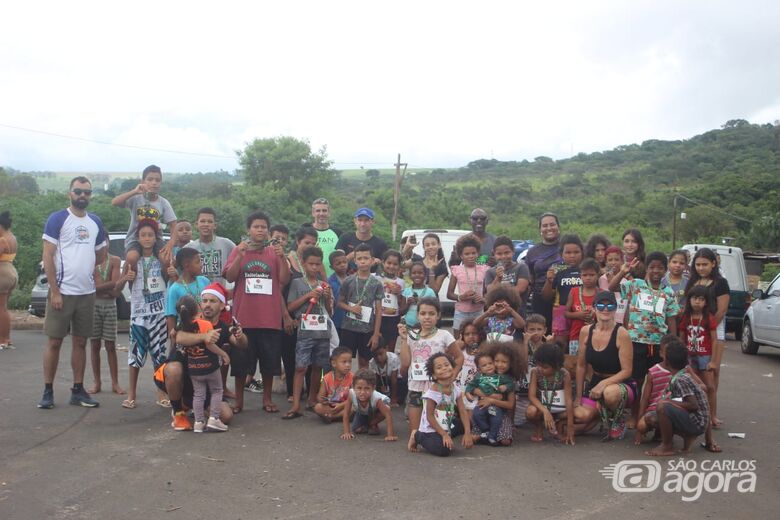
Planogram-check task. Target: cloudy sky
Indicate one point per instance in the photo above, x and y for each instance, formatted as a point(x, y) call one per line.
point(441, 82)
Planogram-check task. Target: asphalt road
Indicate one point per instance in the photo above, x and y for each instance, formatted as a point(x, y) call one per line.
point(109, 462)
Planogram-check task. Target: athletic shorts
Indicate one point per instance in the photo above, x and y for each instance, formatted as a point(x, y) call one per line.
point(264, 348)
point(414, 399)
point(104, 321)
point(682, 424)
point(148, 336)
point(311, 351)
point(76, 317)
point(358, 342)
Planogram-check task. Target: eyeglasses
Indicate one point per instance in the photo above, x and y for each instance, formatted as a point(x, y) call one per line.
point(79, 191)
point(605, 306)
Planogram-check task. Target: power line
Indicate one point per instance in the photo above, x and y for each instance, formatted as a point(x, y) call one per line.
point(714, 208)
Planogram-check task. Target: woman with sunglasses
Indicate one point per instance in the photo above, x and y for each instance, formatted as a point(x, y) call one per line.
point(606, 348)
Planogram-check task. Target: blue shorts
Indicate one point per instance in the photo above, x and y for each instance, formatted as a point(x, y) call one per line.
point(699, 362)
point(460, 317)
point(312, 351)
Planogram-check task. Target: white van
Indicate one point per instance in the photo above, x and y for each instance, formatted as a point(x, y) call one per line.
point(448, 237)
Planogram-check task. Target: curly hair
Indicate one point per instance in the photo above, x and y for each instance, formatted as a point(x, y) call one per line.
point(467, 240)
point(505, 293)
point(514, 351)
point(432, 360)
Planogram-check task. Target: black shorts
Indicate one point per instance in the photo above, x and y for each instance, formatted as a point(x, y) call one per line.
point(645, 356)
point(389, 330)
point(358, 342)
point(682, 424)
point(264, 347)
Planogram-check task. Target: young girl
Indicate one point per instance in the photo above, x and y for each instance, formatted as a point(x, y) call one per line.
point(501, 320)
point(411, 295)
point(439, 423)
point(596, 248)
point(334, 390)
point(550, 395)
point(435, 265)
point(677, 278)
point(510, 361)
point(393, 301)
point(369, 407)
point(203, 363)
point(488, 383)
point(706, 273)
point(579, 305)
point(698, 331)
point(634, 252)
point(614, 258)
point(471, 336)
point(468, 278)
point(417, 346)
point(560, 280)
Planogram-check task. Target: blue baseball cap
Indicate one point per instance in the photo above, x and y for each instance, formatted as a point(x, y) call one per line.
point(364, 212)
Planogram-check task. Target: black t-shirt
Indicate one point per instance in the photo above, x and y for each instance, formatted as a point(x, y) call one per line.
point(564, 281)
point(349, 241)
point(718, 288)
point(485, 252)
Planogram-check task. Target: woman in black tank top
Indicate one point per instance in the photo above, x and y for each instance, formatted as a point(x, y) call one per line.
point(606, 348)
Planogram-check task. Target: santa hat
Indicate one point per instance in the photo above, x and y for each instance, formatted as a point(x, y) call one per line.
point(216, 289)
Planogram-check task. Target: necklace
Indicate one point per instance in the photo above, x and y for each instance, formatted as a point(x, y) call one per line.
point(103, 269)
point(548, 394)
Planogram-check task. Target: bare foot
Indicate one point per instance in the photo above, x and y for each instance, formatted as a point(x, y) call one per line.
point(412, 444)
point(95, 389)
point(661, 451)
point(537, 438)
point(117, 390)
point(716, 423)
point(631, 423)
point(227, 393)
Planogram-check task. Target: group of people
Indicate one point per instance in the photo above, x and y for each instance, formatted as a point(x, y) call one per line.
point(574, 337)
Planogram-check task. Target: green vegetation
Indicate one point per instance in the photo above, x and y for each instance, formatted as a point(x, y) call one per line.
point(735, 169)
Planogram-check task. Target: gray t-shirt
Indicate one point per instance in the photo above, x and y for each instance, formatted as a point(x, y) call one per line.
point(298, 288)
point(159, 210)
point(365, 293)
point(213, 257)
point(511, 276)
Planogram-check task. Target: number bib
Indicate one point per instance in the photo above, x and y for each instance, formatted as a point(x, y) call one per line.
point(645, 303)
point(390, 304)
point(314, 322)
point(444, 418)
point(155, 284)
point(501, 338)
point(365, 315)
point(258, 285)
point(418, 372)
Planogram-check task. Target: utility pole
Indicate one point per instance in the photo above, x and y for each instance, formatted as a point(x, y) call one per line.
point(674, 224)
point(399, 178)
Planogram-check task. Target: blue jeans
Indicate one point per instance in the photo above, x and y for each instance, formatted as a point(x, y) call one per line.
point(488, 419)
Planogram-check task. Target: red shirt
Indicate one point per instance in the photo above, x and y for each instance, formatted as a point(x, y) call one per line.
point(576, 306)
point(698, 334)
point(253, 306)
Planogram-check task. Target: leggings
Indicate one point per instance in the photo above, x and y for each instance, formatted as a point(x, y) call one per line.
point(433, 442)
point(213, 383)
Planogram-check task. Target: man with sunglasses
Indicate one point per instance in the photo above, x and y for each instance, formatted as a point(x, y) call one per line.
point(327, 237)
point(74, 242)
point(479, 221)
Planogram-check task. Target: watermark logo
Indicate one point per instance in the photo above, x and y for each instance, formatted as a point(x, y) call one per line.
point(688, 478)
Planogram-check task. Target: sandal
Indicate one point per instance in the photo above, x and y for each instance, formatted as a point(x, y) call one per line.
point(128, 403)
point(291, 415)
point(237, 409)
point(165, 403)
point(712, 447)
point(270, 408)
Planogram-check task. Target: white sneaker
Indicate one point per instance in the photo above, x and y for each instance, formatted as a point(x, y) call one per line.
point(216, 425)
point(198, 427)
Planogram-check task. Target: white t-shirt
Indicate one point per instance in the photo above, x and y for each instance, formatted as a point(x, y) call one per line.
point(213, 257)
point(467, 373)
point(446, 408)
point(421, 349)
point(390, 304)
point(77, 239)
point(373, 402)
point(383, 373)
point(148, 299)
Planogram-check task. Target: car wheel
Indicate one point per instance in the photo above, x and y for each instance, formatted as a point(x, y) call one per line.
point(748, 345)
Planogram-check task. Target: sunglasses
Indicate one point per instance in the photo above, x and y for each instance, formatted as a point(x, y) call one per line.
point(605, 306)
point(79, 192)
point(321, 201)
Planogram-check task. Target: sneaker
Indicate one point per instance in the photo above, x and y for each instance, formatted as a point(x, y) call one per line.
point(47, 401)
point(180, 422)
point(255, 386)
point(82, 398)
point(199, 425)
point(618, 429)
point(215, 425)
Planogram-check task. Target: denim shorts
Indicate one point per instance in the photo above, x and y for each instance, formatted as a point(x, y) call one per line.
point(461, 317)
point(700, 362)
point(312, 351)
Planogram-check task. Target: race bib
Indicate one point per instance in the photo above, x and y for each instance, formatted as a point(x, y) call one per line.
point(645, 303)
point(314, 322)
point(497, 336)
point(365, 315)
point(257, 285)
point(390, 304)
point(444, 418)
point(155, 284)
point(418, 372)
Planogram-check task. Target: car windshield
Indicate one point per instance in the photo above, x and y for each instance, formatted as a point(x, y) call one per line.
point(729, 268)
point(116, 247)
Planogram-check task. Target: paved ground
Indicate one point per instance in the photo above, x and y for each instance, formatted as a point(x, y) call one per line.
point(114, 463)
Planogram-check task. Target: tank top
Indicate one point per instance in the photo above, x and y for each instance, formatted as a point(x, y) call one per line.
point(606, 361)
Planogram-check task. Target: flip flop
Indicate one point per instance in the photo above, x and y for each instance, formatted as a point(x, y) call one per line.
point(128, 403)
point(291, 415)
point(237, 409)
point(165, 403)
point(270, 408)
point(712, 448)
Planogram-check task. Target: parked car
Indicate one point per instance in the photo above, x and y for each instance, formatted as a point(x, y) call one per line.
point(732, 267)
point(761, 325)
point(40, 291)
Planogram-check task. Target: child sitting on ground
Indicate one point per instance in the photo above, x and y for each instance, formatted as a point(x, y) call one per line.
point(369, 408)
point(386, 366)
point(533, 338)
point(550, 395)
point(335, 386)
point(488, 383)
point(501, 319)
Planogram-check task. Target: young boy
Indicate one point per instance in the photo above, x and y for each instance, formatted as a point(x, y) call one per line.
point(338, 264)
point(508, 272)
point(561, 278)
point(684, 409)
point(361, 298)
point(579, 303)
point(104, 322)
point(534, 336)
point(191, 283)
point(334, 390)
point(369, 408)
point(311, 303)
point(214, 250)
point(386, 366)
point(486, 383)
point(614, 258)
point(145, 202)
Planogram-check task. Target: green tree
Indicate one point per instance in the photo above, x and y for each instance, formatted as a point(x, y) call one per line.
point(373, 174)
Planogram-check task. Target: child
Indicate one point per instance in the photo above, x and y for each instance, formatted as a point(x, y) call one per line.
point(508, 273)
point(439, 423)
point(707, 273)
point(145, 202)
point(560, 280)
point(634, 252)
point(614, 258)
point(509, 360)
point(417, 346)
point(148, 330)
point(393, 299)
point(579, 305)
point(534, 337)
point(369, 407)
point(501, 319)
point(338, 264)
point(334, 390)
point(311, 303)
point(468, 278)
point(656, 381)
point(203, 367)
point(471, 338)
point(412, 295)
point(361, 298)
point(684, 409)
point(698, 331)
point(386, 368)
point(677, 278)
point(182, 235)
point(488, 383)
point(550, 395)
point(104, 322)
point(191, 283)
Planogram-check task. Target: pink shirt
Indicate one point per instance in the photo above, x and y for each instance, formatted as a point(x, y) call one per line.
point(254, 308)
point(659, 380)
point(469, 279)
